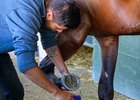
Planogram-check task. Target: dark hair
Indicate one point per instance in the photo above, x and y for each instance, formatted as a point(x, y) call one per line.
point(66, 12)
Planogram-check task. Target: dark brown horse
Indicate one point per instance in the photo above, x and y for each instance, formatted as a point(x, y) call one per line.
point(106, 20)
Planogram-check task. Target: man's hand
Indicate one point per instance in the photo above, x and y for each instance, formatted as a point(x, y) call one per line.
point(64, 95)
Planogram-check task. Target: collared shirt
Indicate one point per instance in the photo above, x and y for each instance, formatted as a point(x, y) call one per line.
point(20, 21)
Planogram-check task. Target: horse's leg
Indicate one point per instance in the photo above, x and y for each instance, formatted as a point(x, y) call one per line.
point(109, 50)
point(69, 42)
point(68, 47)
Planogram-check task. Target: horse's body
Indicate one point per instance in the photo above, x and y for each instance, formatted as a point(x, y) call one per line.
point(113, 17)
point(106, 20)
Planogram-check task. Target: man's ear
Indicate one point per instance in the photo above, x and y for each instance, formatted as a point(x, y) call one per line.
point(49, 15)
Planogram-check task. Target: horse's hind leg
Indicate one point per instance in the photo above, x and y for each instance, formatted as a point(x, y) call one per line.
point(109, 50)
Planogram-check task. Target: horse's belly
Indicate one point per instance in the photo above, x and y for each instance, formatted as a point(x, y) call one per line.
point(116, 29)
point(116, 25)
point(131, 30)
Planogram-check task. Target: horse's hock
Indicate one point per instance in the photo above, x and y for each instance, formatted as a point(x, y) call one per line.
point(127, 74)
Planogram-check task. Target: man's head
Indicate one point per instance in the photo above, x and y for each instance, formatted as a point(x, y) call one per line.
point(62, 14)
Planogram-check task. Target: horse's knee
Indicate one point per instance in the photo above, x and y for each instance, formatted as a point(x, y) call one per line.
point(105, 90)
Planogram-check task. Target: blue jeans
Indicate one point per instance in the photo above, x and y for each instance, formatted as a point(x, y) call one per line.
point(10, 85)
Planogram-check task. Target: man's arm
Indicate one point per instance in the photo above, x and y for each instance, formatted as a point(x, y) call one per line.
point(38, 77)
point(56, 57)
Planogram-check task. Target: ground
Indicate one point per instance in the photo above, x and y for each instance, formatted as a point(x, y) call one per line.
point(80, 64)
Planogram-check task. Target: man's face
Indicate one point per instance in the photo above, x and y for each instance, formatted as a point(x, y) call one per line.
point(54, 23)
point(55, 26)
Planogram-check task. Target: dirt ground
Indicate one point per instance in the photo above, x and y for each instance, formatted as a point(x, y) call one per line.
point(80, 64)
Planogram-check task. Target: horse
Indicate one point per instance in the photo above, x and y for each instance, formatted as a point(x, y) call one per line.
point(106, 20)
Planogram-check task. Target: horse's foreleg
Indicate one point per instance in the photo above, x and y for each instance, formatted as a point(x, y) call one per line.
point(67, 45)
point(68, 42)
point(109, 49)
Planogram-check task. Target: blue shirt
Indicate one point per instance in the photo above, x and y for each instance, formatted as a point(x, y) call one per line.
point(20, 21)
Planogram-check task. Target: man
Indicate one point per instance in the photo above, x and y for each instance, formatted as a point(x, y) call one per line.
point(106, 20)
point(20, 21)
